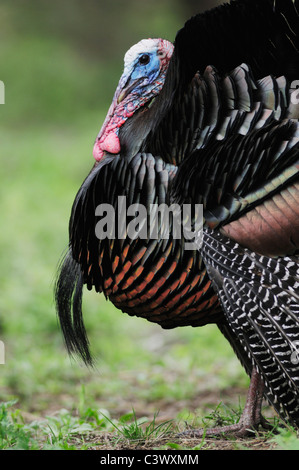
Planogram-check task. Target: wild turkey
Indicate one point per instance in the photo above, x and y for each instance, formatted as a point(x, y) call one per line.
point(216, 125)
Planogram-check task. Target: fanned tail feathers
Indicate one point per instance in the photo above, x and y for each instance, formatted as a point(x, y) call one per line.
point(260, 298)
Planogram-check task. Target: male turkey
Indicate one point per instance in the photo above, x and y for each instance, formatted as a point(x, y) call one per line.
point(212, 121)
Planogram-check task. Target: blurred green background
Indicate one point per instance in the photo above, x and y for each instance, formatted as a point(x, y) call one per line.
point(60, 63)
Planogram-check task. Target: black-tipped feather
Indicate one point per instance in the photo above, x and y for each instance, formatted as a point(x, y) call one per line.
point(68, 297)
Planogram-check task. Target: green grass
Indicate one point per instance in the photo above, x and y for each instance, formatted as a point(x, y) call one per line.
point(140, 430)
point(89, 429)
point(60, 431)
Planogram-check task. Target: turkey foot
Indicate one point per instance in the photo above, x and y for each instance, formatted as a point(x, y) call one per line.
point(251, 417)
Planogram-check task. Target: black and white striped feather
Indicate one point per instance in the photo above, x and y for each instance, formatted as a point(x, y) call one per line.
point(260, 298)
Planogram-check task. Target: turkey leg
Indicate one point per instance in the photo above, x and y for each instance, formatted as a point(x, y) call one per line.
point(251, 417)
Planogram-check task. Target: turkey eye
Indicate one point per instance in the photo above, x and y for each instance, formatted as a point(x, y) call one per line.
point(144, 59)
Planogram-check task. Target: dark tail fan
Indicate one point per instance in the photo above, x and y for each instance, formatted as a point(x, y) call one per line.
point(68, 299)
point(260, 299)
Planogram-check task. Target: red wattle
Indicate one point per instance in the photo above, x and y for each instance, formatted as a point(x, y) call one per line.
point(97, 152)
point(111, 144)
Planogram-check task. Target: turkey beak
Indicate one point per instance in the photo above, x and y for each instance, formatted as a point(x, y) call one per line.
point(130, 85)
point(108, 140)
point(121, 93)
